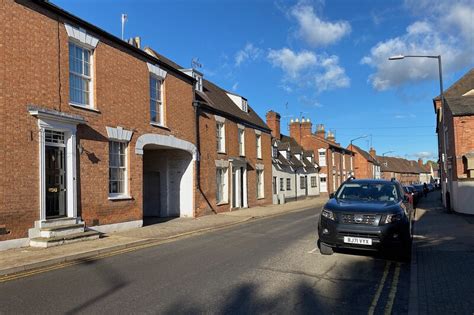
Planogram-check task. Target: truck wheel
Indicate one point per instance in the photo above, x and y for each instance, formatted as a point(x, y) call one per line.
point(325, 249)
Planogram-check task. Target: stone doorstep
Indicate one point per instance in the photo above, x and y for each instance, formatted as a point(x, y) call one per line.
point(62, 230)
point(57, 222)
point(66, 239)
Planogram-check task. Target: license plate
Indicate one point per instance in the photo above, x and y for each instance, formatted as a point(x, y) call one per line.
point(357, 240)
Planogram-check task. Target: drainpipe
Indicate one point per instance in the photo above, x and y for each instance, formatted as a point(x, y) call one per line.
point(296, 186)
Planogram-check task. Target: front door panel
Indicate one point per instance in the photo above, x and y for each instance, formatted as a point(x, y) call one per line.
point(55, 161)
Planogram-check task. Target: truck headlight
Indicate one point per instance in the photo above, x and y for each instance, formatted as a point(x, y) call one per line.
point(328, 214)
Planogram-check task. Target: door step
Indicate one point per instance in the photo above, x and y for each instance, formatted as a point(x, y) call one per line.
point(45, 242)
point(61, 230)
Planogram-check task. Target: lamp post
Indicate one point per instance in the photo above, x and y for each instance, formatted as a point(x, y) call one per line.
point(445, 188)
point(361, 137)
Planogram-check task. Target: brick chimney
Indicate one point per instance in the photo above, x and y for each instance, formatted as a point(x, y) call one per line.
point(420, 162)
point(320, 132)
point(299, 130)
point(273, 121)
point(331, 137)
point(372, 153)
point(306, 127)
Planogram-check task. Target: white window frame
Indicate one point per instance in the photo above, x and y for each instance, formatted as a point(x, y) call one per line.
point(260, 184)
point(314, 182)
point(303, 181)
point(125, 193)
point(222, 186)
point(343, 161)
point(322, 161)
point(157, 102)
point(241, 133)
point(333, 159)
point(258, 139)
point(220, 136)
point(288, 184)
point(282, 185)
point(89, 78)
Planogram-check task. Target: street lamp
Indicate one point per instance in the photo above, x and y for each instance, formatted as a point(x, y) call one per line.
point(399, 57)
point(361, 137)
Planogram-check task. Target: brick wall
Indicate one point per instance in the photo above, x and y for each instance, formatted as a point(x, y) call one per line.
point(463, 143)
point(37, 71)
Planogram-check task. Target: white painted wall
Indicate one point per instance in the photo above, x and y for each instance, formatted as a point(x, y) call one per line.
point(462, 196)
point(290, 194)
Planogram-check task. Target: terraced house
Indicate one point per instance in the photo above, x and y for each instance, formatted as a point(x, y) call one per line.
point(295, 171)
point(102, 135)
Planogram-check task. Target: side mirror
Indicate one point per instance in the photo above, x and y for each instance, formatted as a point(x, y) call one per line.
point(331, 195)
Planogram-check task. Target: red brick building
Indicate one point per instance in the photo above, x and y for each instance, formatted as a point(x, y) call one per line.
point(405, 171)
point(335, 161)
point(365, 164)
point(455, 129)
point(101, 134)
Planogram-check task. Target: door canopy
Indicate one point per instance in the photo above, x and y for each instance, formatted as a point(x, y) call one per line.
point(170, 142)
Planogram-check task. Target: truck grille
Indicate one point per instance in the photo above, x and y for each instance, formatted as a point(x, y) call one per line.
point(367, 219)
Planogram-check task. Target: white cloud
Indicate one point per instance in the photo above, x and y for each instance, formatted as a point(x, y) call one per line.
point(448, 31)
point(249, 52)
point(306, 68)
point(292, 63)
point(313, 30)
point(423, 155)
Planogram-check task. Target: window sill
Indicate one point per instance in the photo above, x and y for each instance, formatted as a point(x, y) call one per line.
point(222, 203)
point(221, 152)
point(260, 198)
point(259, 158)
point(85, 108)
point(155, 124)
point(121, 197)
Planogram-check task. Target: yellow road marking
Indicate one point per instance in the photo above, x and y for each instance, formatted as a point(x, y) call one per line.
point(379, 288)
point(393, 290)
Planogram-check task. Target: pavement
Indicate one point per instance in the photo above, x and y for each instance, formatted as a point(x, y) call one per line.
point(27, 260)
point(442, 277)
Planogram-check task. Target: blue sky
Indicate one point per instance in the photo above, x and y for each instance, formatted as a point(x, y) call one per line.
point(324, 60)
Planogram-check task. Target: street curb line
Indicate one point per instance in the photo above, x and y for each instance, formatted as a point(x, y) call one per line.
point(135, 245)
point(413, 300)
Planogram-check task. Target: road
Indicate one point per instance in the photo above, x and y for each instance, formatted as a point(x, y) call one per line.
point(265, 266)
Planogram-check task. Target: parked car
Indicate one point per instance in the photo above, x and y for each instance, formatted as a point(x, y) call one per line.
point(369, 215)
point(409, 194)
point(414, 193)
point(419, 190)
point(431, 187)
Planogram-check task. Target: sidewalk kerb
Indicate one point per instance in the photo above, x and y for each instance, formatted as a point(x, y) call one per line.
point(413, 300)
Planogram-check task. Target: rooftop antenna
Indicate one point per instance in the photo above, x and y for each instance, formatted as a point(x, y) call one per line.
point(124, 19)
point(195, 63)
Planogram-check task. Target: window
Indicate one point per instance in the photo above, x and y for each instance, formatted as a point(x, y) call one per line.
point(302, 182)
point(274, 185)
point(244, 105)
point(241, 142)
point(80, 75)
point(220, 129)
point(313, 181)
point(322, 157)
point(343, 162)
point(288, 184)
point(323, 179)
point(156, 100)
point(333, 159)
point(281, 184)
point(260, 191)
point(275, 152)
point(117, 168)
point(198, 81)
point(221, 180)
point(259, 146)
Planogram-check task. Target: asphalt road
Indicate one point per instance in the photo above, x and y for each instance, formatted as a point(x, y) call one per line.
point(265, 266)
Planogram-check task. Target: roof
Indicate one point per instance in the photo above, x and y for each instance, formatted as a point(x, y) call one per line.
point(287, 143)
point(460, 87)
point(461, 106)
point(399, 165)
point(366, 155)
point(47, 5)
point(217, 99)
point(332, 144)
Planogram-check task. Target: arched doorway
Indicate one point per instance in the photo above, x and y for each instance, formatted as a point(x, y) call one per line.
point(168, 176)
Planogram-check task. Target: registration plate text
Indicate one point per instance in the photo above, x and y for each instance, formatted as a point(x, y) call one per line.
point(357, 240)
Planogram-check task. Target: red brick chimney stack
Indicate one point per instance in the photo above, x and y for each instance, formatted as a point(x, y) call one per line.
point(306, 127)
point(331, 137)
point(295, 130)
point(372, 153)
point(273, 121)
point(420, 162)
point(320, 132)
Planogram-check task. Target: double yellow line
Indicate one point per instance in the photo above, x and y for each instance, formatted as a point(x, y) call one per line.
point(393, 289)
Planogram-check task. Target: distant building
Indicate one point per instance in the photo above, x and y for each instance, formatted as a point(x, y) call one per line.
point(295, 172)
point(335, 161)
point(455, 129)
point(405, 171)
point(365, 164)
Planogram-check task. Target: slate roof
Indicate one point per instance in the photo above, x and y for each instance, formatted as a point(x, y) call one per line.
point(366, 155)
point(399, 165)
point(460, 87)
point(216, 98)
point(288, 143)
point(461, 106)
point(332, 144)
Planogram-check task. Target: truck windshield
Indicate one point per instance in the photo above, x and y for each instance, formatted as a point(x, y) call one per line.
point(376, 192)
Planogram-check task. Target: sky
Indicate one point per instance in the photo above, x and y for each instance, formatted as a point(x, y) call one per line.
point(322, 60)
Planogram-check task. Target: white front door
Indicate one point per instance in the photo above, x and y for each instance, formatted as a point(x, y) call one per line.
point(323, 186)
